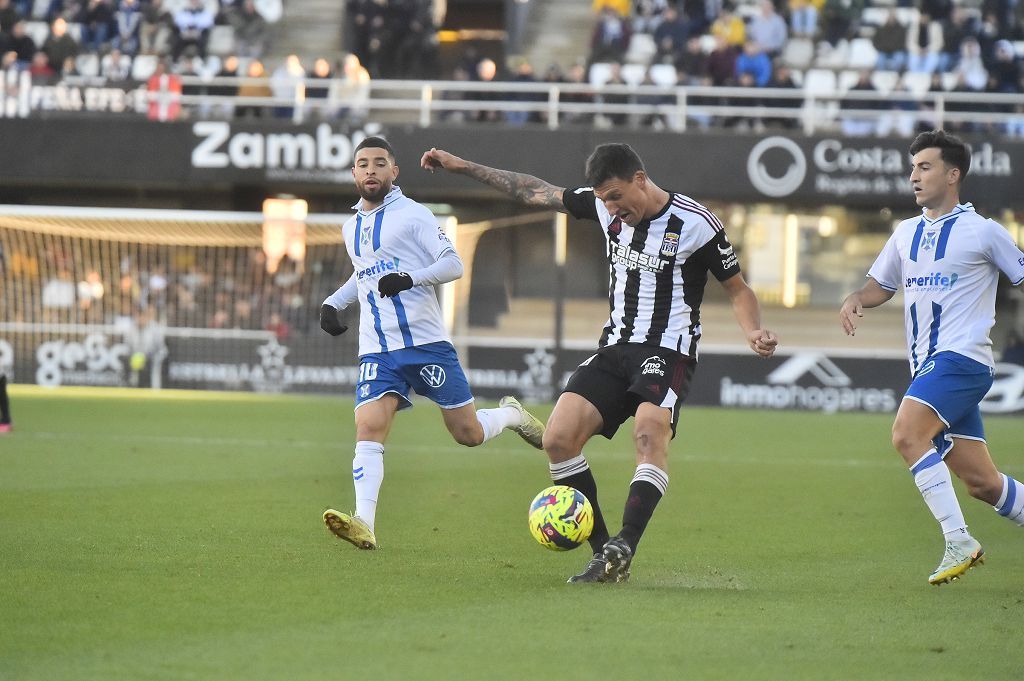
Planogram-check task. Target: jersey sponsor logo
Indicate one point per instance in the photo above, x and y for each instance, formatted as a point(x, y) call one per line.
point(728, 256)
point(621, 254)
point(379, 267)
point(653, 365)
point(433, 375)
point(936, 281)
point(670, 244)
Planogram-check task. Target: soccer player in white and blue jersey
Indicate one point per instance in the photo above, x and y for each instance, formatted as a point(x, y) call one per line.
point(399, 254)
point(948, 261)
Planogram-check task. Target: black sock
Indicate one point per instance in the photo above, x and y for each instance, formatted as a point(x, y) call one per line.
point(640, 505)
point(584, 482)
point(5, 405)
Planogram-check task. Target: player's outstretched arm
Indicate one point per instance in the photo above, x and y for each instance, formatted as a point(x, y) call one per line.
point(871, 294)
point(526, 189)
point(748, 313)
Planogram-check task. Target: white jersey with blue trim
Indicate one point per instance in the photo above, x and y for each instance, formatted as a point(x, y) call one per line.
point(948, 267)
point(400, 235)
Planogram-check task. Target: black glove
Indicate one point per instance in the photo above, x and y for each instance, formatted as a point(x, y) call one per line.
point(393, 284)
point(329, 321)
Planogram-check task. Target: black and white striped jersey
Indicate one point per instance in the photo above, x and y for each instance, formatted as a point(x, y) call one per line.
point(658, 269)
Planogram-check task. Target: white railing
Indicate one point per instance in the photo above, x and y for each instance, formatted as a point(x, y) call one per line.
point(425, 103)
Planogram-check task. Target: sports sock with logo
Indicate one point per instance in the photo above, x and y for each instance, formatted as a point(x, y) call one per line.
point(933, 480)
point(576, 473)
point(1011, 501)
point(367, 475)
point(493, 421)
point(645, 491)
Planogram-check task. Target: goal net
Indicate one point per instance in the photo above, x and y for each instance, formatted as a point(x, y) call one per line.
point(163, 298)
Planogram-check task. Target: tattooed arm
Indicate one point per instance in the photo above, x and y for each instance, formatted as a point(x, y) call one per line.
point(526, 189)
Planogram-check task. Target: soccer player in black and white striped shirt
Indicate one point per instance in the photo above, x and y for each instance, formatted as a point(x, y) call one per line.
point(660, 246)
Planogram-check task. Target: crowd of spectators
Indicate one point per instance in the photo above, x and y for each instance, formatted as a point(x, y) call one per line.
point(181, 287)
point(395, 39)
point(126, 28)
point(953, 47)
point(933, 44)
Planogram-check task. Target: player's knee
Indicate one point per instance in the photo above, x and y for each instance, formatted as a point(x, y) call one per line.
point(559, 446)
point(907, 442)
point(468, 436)
point(650, 433)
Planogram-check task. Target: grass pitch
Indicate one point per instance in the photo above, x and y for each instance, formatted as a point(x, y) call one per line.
point(178, 536)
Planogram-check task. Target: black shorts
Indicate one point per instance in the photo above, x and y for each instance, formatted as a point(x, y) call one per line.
point(618, 378)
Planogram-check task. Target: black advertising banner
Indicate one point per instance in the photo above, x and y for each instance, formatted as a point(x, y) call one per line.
point(809, 380)
point(316, 158)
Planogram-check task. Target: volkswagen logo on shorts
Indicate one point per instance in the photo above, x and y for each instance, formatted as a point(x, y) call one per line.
point(765, 182)
point(432, 375)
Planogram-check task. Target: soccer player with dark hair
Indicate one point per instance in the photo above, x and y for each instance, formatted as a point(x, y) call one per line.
point(948, 261)
point(661, 246)
point(400, 254)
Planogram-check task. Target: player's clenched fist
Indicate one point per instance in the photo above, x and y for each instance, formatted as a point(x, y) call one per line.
point(393, 284)
point(437, 159)
point(763, 342)
point(329, 321)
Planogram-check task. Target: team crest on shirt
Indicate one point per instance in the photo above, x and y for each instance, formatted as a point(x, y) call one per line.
point(928, 242)
point(365, 233)
point(670, 244)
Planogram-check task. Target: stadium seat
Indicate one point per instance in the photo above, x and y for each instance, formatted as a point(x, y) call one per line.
point(949, 80)
point(798, 53)
point(1018, 48)
point(173, 6)
point(633, 74)
point(75, 31)
point(664, 74)
point(222, 40)
point(38, 31)
point(906, 15)
point(917, 84)
point(885, 81)
point(210, 68)
point(874, 16)
point(846, 80)
point(271, 10)
point(863, 54)
point(600, 73)
point(88, 64)
point(144, 66)
point(641, 49)
point(39, 8)
point(707, 43)
point(820, 83)
point(833, 56)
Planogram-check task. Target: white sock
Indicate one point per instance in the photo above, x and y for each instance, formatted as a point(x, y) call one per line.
point(493, 421)
point(648, 472)
point(564, 469)
point(367, 475)
point(1011, 501)
point(933, 480)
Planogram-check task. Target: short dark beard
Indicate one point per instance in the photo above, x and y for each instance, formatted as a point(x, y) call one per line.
point(377, 196)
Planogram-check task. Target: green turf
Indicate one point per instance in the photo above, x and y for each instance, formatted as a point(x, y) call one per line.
point(179, 537)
